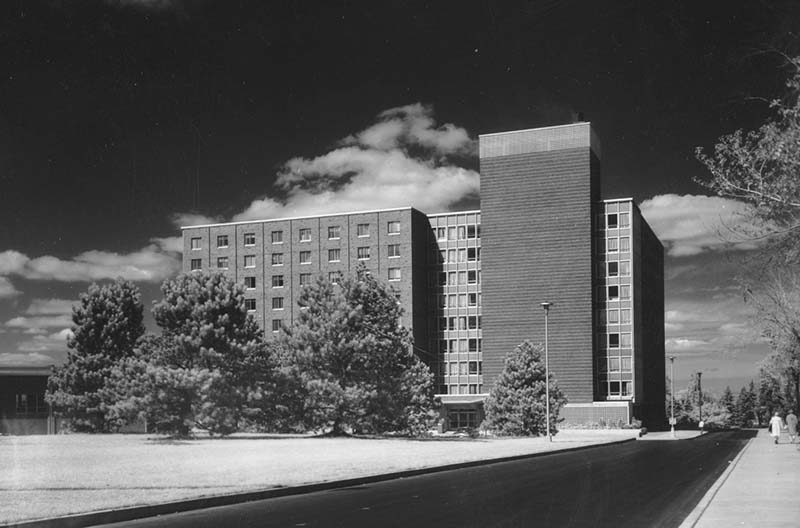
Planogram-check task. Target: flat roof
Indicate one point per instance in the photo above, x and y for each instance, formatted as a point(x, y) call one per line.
point(306, 217)
point(523, 130)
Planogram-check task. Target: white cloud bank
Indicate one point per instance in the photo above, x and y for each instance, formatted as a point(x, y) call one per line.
point(153, 263)
point(401, 160)
point(689, 224)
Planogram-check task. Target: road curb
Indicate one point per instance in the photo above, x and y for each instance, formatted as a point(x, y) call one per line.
point(138, 512)
point(691, 520)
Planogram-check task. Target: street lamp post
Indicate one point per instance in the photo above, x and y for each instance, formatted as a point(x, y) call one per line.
point(546, 306)
point(672, 395)
point(700, 397)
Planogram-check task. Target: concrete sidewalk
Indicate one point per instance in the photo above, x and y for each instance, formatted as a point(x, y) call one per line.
point(760, 488)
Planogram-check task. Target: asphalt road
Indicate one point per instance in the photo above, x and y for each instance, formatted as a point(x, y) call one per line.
point(638, 484)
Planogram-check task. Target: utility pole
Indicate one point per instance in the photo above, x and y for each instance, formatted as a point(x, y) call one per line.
point(700, 397)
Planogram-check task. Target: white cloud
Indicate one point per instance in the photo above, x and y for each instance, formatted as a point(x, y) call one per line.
point(375, 170)
point(153, 263)
point(56, 341)
point(7, 290)
point(191, 219)
point(50, 307)
point(689, 224)
point(33, 358)
point(39, 321)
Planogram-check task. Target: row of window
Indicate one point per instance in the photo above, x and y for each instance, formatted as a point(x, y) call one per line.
point(463, 368)
point(614, 292)
point(614, 316)
point(614, 245)
point(454, 346)
point(466, 419)
point(454, 256)
point(616, 388)
point(30, 404)
point(616, 220)
point(456, 278)
point(614, 269)
point(276, 259)
point(615, 340)
point(459, 300)
point(276, 237)
point(616, 364)
point(472, 322)
point(462, 232)
point(472, 388)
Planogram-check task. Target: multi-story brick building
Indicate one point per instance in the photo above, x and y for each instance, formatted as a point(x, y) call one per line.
point(471, 283)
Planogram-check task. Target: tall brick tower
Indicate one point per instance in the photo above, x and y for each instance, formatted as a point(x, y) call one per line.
point(538, 190)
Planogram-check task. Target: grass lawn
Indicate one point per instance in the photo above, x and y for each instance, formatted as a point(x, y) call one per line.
point(47, 476)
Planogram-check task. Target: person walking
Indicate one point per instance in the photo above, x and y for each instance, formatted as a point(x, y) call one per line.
point(775, 426)
point(791, 425)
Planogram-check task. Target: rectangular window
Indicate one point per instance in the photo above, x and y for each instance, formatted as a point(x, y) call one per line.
point(625, 268)
point(196, 243)
point(305, 257)
point(277, 237)
point(473, 346)
point(394, 274)
point(625, 291)
point(362, 253)
point(472, 277)
point(451, 233)
point(334, 255)
point(612, 246)
point(462, 255)
point(625, 316)
point(601, 317)
point(462, 232)
point(441, 233)
point(250, 305)
point(613, 340)
point(625, 340)
point(305, 234)
point(613, 293)
point(222, 262)
point(277, 259)
point(626, 388)
point(625, 364)
point(335, 277)
point(472, 322)
point(277, 281)
point(276, 325)
point(471, 231)
point(249, 239)
point(472, 254)
point(334, 232)
point(462, 277)
point(624, 219)
point(277, 303)
point(612, 221)
point(613, 269)
point(362, 230)
point(624, 244)
point(473, 299)
point(613, 364)
point(394, 250)
point(393, 228)
point(305, 279)
point(250, 283)
point(196, 264)
point(613, 388)
point(222, 241)
point(249, 261)
point(613, 317)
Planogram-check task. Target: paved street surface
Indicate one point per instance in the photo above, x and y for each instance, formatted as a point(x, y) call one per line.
point(656, 483)
point(761, 490)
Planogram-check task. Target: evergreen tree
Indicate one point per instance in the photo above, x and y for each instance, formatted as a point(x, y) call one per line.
point(517, 404)
point(106, 325)
point(209, 368)
point(728, 402)
point(770, 397)
point(350, 365)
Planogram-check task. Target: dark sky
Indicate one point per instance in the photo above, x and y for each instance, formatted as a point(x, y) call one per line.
point(116, 115)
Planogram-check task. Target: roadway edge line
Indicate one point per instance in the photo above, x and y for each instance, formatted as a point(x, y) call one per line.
point(82, 520)
point(694, 517)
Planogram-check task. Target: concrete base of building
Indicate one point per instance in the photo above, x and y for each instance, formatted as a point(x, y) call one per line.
point(599, 413)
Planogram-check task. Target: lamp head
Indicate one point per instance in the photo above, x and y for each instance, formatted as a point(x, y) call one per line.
point(546, 305)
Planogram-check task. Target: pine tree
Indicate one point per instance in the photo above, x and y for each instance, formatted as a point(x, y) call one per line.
point(728, 402)
point(209, 368)
point(350, 365)
point(517, 404)
point(107, 323)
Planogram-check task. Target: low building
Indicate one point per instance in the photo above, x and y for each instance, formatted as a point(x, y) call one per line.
point(23, 409)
